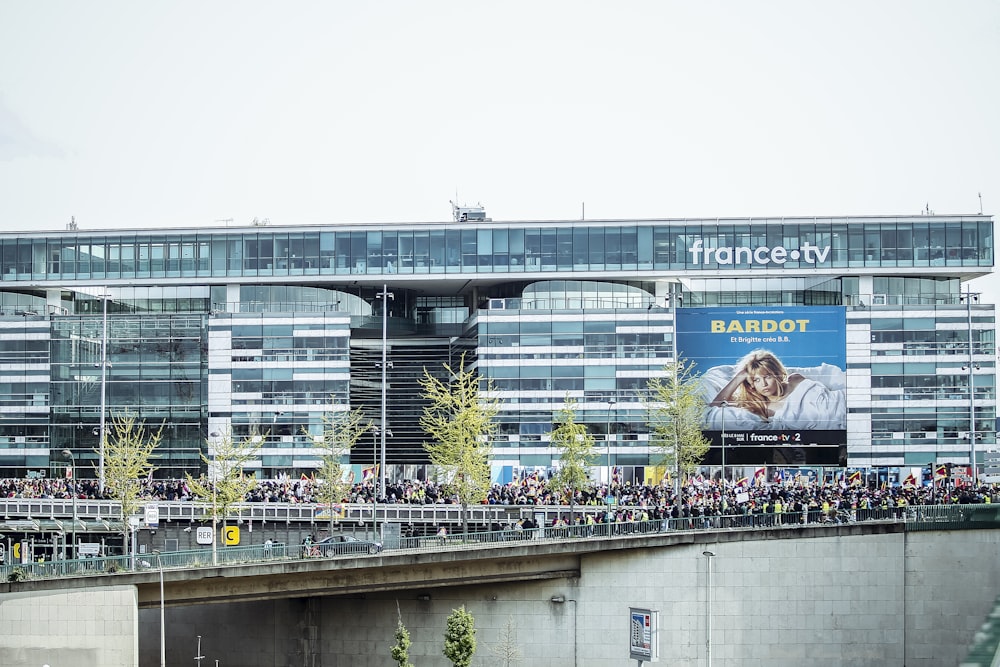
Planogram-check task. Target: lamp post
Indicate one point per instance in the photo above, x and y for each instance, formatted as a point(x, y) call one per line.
point(385, 295)
point(969, 297)
point(67, 454)
point(708, 610)
point(611, 406)
point(104, 386)
point(724, 405)
point(376, 433)
point(163, 643)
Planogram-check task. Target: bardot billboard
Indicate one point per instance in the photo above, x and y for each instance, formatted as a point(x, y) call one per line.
point(773, 380)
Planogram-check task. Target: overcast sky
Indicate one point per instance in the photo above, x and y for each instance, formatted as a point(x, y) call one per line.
point(160, 114)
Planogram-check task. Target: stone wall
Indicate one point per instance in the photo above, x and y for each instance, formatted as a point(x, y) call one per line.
point(877, 600)
point(78, 628)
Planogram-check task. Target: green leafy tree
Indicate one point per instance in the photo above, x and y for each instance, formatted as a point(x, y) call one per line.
point(341, 432)
point(128, 450)
point(507, 651)
point(577, 454)
point(676, 411)
point(460, 638)
point(227, 483)
point(401, 649)
point(461, 420)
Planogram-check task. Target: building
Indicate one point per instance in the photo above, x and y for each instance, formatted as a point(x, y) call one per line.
point(264, 328)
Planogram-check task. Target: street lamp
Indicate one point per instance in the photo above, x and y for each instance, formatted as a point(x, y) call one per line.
point(385, 295)
point(67, 454)
point(673, 304)
point(163, 643)
point(104, 386)
point(611, 405)
point(969, 297)
point(724, 405)
point(708, 610)
point(376, 432)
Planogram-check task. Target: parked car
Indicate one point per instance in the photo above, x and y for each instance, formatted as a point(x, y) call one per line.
point(345, 544)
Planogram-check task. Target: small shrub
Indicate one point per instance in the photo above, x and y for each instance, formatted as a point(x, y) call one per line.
point(17, 574)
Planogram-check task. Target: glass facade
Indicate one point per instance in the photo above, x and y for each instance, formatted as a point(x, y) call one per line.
point(670, 245)
point(267, 329)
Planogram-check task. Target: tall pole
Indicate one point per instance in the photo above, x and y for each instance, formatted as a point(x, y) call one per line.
point(708, 611)
point(385, 296)
point(672, 304)
point(72, 473)
point(375, 433)
point(969, 296)
point(104, 388)
point(611, 406)
point(163, 643)
point(724, 405)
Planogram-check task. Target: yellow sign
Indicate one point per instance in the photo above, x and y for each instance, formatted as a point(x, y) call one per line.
point(16, 548)
point(232, 537)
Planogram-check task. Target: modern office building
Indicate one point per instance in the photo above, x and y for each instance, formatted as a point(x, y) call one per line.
point(266, 328)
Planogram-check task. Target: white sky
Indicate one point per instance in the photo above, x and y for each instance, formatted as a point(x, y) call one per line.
point(160, 114)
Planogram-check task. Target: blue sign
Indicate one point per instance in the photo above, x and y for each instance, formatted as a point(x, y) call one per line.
point(769, 376)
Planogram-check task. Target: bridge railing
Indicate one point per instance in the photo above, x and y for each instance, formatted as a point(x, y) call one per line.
point(919, 517)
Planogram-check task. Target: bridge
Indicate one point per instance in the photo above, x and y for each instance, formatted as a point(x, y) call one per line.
point(912, 591)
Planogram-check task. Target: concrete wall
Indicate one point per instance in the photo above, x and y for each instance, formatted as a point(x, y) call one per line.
point(877, 600)
point(80, 628)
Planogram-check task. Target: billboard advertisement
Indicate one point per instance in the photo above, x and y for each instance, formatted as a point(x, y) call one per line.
point(773, 379)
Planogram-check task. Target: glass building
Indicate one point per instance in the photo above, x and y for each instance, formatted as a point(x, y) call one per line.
point(268, 329)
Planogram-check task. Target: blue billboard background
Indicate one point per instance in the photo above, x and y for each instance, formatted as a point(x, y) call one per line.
point(809, 342)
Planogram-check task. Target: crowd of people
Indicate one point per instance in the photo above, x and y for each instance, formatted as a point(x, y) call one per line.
point(700, 496)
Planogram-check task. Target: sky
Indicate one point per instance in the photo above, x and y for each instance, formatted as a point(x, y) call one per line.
point(168, 114)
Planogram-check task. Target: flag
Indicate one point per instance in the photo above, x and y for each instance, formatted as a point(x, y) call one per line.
point(941, 471)
point(69, 472)
point(369, 472)
point(303, 477)
point(779, 476)
point(910, 481)
point(742, 481)
point(759, 476)
point(855, 478)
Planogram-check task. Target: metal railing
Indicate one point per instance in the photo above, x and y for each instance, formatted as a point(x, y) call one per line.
point(915, 517)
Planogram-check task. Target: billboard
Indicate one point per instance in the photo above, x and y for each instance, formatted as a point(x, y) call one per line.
point(773, 379)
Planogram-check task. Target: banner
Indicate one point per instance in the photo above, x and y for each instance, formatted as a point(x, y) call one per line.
point(773, 379)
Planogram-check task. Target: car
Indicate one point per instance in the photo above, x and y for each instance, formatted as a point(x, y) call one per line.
point(345, 544)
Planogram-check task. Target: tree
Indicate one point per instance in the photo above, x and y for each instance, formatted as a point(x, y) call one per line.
point(575, 445)
point(461, 422)
point(460, 638)
point(506, 651)
point(401, 649)
point(226, 484)
point(676, 413)
point(128, 448)
point(341, 432)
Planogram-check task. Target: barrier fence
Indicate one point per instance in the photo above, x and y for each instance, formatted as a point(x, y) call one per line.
point(915, 517)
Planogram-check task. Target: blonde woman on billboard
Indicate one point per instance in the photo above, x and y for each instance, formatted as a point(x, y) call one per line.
point(769, 396)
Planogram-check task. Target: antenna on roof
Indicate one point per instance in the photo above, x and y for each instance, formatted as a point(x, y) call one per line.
point(980, 203)
point(72, 219)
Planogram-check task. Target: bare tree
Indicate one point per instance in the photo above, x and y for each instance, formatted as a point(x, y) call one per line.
point(460, 417)
point(227, 483)
point(506, 651)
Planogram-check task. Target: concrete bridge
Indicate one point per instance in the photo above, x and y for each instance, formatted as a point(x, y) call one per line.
point(879, 593)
